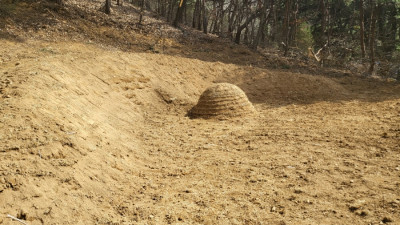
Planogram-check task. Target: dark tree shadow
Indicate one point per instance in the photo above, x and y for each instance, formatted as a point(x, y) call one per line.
point(279, 88)
point(11, 37)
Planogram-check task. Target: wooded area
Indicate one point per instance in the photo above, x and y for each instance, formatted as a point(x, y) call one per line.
point(345, 29)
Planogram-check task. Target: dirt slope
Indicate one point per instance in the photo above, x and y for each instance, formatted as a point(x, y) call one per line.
point(98, 136)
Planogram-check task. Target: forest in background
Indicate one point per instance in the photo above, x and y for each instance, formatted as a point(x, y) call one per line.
point(333, 32)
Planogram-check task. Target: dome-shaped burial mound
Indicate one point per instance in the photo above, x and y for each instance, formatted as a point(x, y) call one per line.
point(221, 101)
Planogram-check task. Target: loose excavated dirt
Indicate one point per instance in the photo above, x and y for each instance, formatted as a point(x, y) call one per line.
point(223, 101)
point(94, 135)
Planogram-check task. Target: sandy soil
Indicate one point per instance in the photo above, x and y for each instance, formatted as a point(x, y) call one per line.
point(97, 136)
point(93, 128)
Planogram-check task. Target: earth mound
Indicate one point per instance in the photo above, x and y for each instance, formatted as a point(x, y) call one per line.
point(222, 101)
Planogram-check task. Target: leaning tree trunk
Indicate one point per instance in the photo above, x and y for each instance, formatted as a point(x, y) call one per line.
point(240, 28)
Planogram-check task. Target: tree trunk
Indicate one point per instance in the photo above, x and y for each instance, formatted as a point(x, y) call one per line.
point(179, 13)
point(273, 30)
point(108, 7)
point(195, 13)
point(244, 25)
point(199, 16)
point(294, 28)
point(221, 19)
point(141, 12)
point(323, 14)
point(205, 19)
point(231, 17)
point(252, 34)
point(372, 36)
point(246, 36)
point(393, 28)
point(261, 27)
point(324, 18)
point(171, 7)
point(214, 20)
point(362, 38)
point(185, 15)
point(286, 29)
point(163, 8)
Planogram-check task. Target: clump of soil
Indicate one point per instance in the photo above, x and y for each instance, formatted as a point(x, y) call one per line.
point(222, 101)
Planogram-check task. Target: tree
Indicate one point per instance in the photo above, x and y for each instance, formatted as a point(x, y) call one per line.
point(286, 27)
point(245, 24)
point(330, 25)
point(362, 38)
point(372, 35)
point(263, 21)
point(107, 7)
point(142, 4)
point(179, 13)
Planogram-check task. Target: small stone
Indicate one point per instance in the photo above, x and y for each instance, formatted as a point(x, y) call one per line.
point(17, 63)
point(273, 209)
point(298, 191)
point(386, 220)
point(361, 213)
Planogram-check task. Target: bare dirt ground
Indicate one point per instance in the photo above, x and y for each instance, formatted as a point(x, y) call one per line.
point(90, 134)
